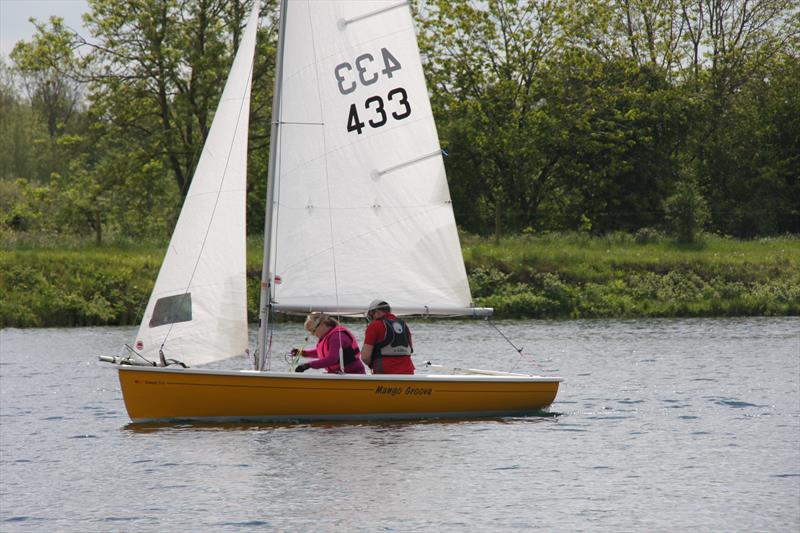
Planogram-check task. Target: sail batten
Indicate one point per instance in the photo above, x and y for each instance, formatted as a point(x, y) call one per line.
point(343, 23)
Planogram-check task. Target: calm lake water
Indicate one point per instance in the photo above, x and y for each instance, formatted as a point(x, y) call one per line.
point(660, 425)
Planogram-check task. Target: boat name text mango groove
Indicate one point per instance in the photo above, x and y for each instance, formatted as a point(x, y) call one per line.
point(411, 391)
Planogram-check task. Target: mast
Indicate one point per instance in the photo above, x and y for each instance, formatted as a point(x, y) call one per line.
point(266, 275)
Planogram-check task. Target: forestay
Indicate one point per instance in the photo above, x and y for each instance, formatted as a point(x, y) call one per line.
point(362, 209)
point(198, 306)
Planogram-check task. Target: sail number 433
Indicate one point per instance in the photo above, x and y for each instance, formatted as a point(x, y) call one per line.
point(377, 109)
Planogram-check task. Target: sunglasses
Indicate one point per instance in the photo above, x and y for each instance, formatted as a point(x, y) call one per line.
point(316, 324)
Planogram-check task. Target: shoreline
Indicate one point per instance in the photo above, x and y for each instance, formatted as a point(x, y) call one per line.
point(542, 277)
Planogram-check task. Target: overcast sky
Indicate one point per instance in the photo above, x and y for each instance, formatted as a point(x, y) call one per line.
point(14, 15)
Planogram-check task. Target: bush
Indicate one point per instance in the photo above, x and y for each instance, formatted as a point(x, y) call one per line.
point(686, 211)
point(647, 236)
point(484, 281)
point(82, 288)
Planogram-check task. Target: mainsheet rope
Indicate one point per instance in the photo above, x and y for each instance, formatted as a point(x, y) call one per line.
point(519, 349)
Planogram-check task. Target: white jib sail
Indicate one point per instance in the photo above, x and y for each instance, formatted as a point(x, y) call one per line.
point(362, 209)
point(198, 307)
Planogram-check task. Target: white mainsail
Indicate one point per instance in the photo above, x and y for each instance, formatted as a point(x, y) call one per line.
point(198, 307)
point(361, 204)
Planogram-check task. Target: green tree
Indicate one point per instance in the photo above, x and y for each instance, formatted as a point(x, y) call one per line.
point(483, 64)
point(45, 64)
point(740, 44)
point(686, 211)
point(550, 124)
point(556, 114)
point(45, 68)
point(629, 122)
point(152, 71)
point(19, 126)
point(157, 68)
point(648, 32)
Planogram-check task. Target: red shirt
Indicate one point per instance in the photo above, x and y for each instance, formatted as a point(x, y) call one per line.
point(376, 332)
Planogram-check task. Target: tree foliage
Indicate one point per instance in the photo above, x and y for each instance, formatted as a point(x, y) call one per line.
point(158, 69)
point(151, 73)
point(45, 65)
point(591, 115)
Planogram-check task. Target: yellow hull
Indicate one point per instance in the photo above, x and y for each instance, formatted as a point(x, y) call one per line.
point(157, 394)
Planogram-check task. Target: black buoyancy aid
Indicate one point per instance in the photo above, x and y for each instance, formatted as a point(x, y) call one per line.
point(349, 347)
point(396, 342)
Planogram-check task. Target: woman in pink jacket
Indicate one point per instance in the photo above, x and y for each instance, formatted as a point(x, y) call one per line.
point(333, 338)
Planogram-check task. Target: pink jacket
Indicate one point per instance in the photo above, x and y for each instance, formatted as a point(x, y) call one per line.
point(327, 352)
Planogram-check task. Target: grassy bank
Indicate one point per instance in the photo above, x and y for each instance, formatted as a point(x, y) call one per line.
point(578, 276)
point(553, 276)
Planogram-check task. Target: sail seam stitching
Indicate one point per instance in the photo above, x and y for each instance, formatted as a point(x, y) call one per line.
point(325, 164)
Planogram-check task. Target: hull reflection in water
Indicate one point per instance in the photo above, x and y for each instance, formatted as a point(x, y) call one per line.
point(159, 394)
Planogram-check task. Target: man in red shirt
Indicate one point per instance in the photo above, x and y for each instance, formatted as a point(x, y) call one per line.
point(387, 341)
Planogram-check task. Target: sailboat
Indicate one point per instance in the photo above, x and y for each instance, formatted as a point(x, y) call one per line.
point(357, 208)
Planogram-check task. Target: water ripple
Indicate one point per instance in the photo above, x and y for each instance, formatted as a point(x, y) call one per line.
point(250, 523)
point(733, 402)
